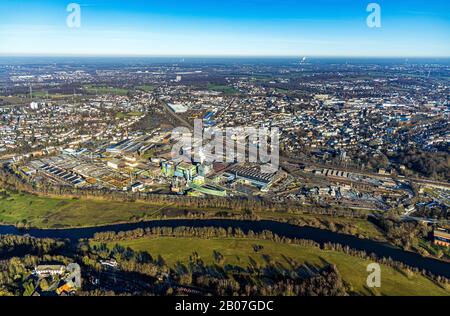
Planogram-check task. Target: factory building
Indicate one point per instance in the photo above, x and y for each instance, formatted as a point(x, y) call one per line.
point(186, 170)
point(441, 237)
point(252, 176)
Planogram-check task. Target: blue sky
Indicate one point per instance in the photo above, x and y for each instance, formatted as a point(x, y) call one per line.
point(226, 27)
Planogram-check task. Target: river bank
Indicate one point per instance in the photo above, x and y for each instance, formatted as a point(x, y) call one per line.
point(321, 236)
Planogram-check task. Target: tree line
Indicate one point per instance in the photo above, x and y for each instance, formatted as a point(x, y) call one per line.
point(217, 232)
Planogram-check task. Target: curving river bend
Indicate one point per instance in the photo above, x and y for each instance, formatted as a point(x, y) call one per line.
point(321, 236)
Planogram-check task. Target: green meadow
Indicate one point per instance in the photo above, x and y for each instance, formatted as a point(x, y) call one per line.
point(50, 212)
point(241, 252)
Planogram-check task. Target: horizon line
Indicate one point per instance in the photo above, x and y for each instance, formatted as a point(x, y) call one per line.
point(15, 55)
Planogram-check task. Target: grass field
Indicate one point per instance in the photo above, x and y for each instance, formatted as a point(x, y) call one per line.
point(54, 96)
point(222, 88)
point(123, 115)
point(46, 212)
point(239, 251)
point(145, 88)
point(105, 90)
point(38, 95)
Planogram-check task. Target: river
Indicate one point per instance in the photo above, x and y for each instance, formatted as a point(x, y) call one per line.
point(321, 236)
